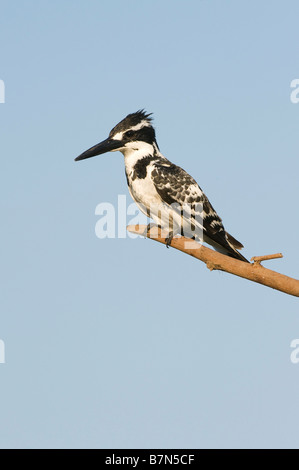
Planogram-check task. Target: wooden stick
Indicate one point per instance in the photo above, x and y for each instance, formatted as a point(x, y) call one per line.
point(254, 272)
point(258, 259)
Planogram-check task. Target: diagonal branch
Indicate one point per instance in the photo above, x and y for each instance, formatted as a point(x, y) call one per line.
point(254, 272)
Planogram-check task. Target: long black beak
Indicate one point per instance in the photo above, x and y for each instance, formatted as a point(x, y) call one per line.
point(105, 146)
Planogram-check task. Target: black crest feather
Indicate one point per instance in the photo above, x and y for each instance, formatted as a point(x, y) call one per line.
point(131, 120)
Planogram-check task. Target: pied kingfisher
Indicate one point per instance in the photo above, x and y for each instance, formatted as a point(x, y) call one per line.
point(164, 191)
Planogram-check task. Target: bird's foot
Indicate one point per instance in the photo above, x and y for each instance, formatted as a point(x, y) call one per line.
point(168, 240)
point(149, 227)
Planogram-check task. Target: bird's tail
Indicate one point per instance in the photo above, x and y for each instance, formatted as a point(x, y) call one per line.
point(234, 246)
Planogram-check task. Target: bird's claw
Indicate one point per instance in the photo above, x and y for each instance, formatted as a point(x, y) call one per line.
point(149, 227)
point(168, 240)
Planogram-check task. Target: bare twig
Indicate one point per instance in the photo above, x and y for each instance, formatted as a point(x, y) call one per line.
point(254, 272)
point(259, 259)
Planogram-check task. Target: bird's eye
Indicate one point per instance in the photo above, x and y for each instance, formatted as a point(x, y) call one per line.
point(129, 134)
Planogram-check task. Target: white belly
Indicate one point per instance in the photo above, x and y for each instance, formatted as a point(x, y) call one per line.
point(150, 203)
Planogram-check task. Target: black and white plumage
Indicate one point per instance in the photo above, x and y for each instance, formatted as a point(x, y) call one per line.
point(162, 190)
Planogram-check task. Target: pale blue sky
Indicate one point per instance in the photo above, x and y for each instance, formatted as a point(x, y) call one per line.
point(121, 343)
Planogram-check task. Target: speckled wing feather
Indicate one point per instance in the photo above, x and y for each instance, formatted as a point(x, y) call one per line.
point(175, 185)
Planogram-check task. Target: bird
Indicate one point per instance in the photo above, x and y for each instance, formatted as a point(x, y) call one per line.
point(162, 190)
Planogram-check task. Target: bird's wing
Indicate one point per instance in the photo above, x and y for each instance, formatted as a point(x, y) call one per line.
point(175, 186)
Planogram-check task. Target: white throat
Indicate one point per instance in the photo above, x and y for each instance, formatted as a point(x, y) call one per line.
point(137, 150)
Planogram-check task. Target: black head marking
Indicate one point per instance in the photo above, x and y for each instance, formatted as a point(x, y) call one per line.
point(136, 127)
point(131, 120)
